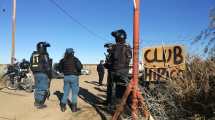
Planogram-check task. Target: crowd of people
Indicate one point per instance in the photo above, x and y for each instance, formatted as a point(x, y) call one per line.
point(117, 64)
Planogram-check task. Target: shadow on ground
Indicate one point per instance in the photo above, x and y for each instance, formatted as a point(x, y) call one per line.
point(95, 101)
point(99, 89)
point(91, 99)
point(92, 82)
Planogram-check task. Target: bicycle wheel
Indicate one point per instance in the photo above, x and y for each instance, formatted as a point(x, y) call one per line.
point(11, 82)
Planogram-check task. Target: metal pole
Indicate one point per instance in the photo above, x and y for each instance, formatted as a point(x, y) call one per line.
point(13, 32)
point(135, 58)
point(134, 82)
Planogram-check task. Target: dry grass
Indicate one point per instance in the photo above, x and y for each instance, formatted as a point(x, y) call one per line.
point(189, 96)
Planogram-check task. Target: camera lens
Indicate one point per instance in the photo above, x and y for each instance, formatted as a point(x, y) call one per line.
point(113, 34)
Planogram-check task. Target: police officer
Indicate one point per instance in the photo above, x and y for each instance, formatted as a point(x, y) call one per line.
point(41, 66)
point(24, 64)
point(71, 67)
point(101, 72)
point(119, 59)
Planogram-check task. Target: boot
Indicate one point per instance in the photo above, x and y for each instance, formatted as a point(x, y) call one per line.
point(73, 107)
point(47, 94)
point(36, 103)
point(39, 104)
point(62, 107)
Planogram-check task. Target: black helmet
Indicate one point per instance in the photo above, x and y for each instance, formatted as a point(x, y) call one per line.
point(69, 51)
point(42, 47)
point(119, 34)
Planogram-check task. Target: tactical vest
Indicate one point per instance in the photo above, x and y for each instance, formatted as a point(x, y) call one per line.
point(70, 66)
point(121, 56)
point(40, 62)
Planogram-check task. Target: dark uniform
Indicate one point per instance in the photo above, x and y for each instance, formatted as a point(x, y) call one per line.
point(118, 63)
point(24, 64)
point(101, 72)
point(41, 66)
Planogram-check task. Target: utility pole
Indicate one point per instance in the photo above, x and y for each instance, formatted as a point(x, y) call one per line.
point(136, 22)
point(13, 32)
point(137, 98)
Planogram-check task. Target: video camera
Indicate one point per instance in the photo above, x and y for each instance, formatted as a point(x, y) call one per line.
point(42, 47)
point(109, 47)
point(119, 34)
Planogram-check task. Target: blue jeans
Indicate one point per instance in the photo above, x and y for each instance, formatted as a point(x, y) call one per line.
point(41, 87)
point(71, 82)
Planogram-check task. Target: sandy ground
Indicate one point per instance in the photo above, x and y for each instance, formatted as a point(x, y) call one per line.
point(18, 105)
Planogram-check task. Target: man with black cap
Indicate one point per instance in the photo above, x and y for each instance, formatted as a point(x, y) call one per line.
point(120, 55)
point(71, 67)
point(41, 66)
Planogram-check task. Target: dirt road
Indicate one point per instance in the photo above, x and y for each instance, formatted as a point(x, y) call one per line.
point(18, 105)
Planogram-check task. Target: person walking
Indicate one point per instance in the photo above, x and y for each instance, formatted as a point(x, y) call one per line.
point(41, 66)
point(71, 67)
point(101, 71)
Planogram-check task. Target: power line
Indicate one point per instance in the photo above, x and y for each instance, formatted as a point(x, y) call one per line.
point(2, 7)
point(76, 21)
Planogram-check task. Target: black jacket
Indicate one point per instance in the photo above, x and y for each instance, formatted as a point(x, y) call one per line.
point(120, 57)
point(100, 68)
point(40, 63)
point(70, 66)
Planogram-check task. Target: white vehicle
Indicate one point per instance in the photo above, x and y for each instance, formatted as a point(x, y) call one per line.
point(141, 70)
point(85, 71)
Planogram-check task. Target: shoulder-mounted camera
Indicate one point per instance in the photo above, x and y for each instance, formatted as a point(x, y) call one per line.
point(119, 34)
point(42, 47)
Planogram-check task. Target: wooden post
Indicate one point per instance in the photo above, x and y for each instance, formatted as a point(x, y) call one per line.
point(135, 58)
point(137, 97)
point(13, 32)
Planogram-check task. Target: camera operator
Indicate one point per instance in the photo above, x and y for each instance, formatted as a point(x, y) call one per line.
point(41, 66)
point(117, 63)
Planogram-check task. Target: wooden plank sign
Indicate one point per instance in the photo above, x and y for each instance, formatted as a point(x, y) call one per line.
point(162, 62)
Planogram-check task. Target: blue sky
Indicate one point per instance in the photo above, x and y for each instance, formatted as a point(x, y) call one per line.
point(173, 21)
